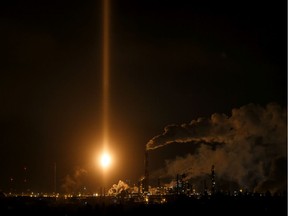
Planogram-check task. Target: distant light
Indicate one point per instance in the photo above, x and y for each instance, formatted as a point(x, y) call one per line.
point(105, 160)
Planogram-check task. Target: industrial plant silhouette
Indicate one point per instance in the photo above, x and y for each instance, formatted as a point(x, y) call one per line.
point(143, 199)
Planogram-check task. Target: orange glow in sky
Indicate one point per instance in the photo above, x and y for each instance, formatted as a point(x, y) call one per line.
point(105, 160)
point(105, 73)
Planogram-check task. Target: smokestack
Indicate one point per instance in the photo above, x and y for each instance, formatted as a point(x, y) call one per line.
point(139, 186)
point(213, 180)
point(205, 188)
point(177, 184)
point(146, 179)
point(55, 177)
point(25, 180)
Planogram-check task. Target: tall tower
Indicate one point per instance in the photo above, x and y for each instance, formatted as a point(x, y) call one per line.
point(213, 183)
point(177, 184)
point(25, 180)
point(55, 178)
point(146, 173)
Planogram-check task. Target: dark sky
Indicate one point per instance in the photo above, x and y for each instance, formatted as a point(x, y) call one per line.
point(171, 62)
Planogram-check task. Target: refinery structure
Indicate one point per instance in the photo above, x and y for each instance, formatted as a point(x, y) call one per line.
point(145, 197)
point(146, 190)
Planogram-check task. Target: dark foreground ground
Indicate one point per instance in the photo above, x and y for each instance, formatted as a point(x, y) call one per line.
point(226, 205)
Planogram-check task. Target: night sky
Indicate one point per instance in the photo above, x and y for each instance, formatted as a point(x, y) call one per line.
point(170, 62)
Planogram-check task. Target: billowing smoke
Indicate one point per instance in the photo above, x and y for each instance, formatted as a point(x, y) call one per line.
point(74, 183)
point(249, 147)
point(118, 188)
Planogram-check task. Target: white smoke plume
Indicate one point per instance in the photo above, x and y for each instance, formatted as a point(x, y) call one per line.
point(118, 188)
point(249, 147)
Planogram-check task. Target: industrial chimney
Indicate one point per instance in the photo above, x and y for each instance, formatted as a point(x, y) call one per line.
point(213, 183)
point(146, 173)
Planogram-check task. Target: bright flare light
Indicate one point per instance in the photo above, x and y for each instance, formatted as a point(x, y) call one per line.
point(105, 160)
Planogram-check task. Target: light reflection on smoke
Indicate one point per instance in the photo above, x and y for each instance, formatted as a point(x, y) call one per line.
point(248, 148)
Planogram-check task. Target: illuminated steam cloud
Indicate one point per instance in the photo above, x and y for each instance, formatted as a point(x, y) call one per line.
point(122, 188)
point(118, 188)
point(252, 151)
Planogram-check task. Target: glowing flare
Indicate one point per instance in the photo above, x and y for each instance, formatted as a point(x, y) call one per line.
point(105, 160)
